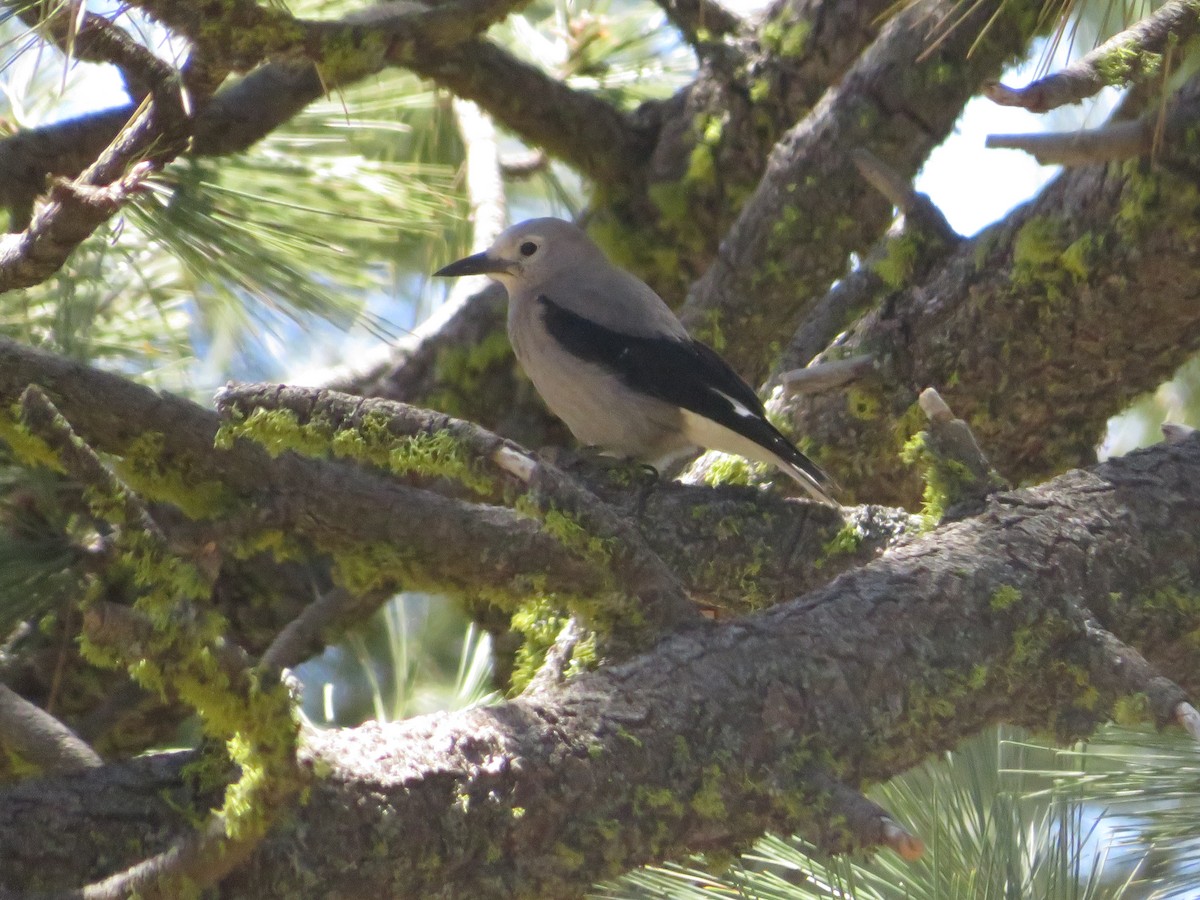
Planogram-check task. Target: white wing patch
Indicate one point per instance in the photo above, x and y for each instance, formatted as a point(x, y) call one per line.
point(738, 407)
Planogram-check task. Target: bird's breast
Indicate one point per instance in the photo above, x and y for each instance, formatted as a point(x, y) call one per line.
point(594, 403)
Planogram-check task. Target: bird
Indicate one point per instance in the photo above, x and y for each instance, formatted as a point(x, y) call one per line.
point(611, 359)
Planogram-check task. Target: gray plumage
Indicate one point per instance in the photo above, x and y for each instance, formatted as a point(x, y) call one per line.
point(614, 363)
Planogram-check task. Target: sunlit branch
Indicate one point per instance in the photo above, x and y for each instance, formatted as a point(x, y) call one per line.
point(1128, 56)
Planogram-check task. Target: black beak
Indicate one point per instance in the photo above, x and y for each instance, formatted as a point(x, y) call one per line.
point(479, 264)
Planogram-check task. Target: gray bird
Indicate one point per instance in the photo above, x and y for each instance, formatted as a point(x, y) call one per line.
point(612, 361)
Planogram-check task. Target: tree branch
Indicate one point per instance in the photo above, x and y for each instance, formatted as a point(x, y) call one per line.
point(1038, 300)
point(584, 130)
point(717, 734)
point(1156, 132)
point(334, 506)
point(546, 490)
point(811, 209)
point(155, 134)
point(700, 21)
point(1132, 54)
point(181, 653)
point(41, 739)
point(93, 38)
point(732, 548)
point(1116, 140)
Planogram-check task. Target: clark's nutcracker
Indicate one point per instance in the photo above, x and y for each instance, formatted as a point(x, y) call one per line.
point(613, 362)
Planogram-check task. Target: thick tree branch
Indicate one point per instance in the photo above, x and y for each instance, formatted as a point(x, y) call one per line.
point(773, 544)
point(811, 208)
point(330, 504)
point(1027, 330)
point(42, 740)
point(732, 548)
point(545, 490)
point(719, 733)
point(1128, 56)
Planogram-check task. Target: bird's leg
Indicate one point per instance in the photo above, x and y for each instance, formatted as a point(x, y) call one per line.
point(593, 462)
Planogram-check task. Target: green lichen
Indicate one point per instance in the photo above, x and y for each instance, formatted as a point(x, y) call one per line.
point(1152, 198)
point(277, 431)
point(895, 268)
point(462, 372)
point(845, 543)
point(1080, 256)
point(1045, 263)
point(256, 722)
point(149, 471)
point(1132, 710)
point(944, 478)
point(862, 404)
point(726, 468)
point(1173, 607)
point(370, 441)
point(377, 566)
point(1125, 62)
point(29, 449)
point(657, 802)
point(907, 424)
point(702, 161)
point(437, 455)
point(568, 857)
point(709, 330)
point(279, 544)
point(643, 250)
point(567, 531)
point(1004, 596)
point(743, 579)
point(1036, 249)
point(539, 622)
point(708, 801)
point(786, 39)
point(347, 56)
point(585, 657)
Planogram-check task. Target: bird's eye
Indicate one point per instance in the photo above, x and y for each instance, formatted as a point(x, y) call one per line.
point(528, 248)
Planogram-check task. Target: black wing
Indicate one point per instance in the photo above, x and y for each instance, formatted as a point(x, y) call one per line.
point(680, 371)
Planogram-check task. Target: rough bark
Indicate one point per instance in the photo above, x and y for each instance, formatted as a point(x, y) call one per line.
point(812, 209)
point(1036, 331)
point(720, 731)
point(733, 548)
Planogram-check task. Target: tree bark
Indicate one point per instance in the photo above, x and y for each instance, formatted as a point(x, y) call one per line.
point(1036, 331)
point(720, 731)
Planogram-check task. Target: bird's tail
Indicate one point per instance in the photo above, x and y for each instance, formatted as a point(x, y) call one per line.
point(803, 470)
point(810, 476)
point(758, 439)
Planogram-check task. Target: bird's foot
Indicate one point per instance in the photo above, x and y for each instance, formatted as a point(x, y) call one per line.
point(591, 463)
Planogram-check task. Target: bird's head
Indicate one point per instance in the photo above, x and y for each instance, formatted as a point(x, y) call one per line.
point(530, 252)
